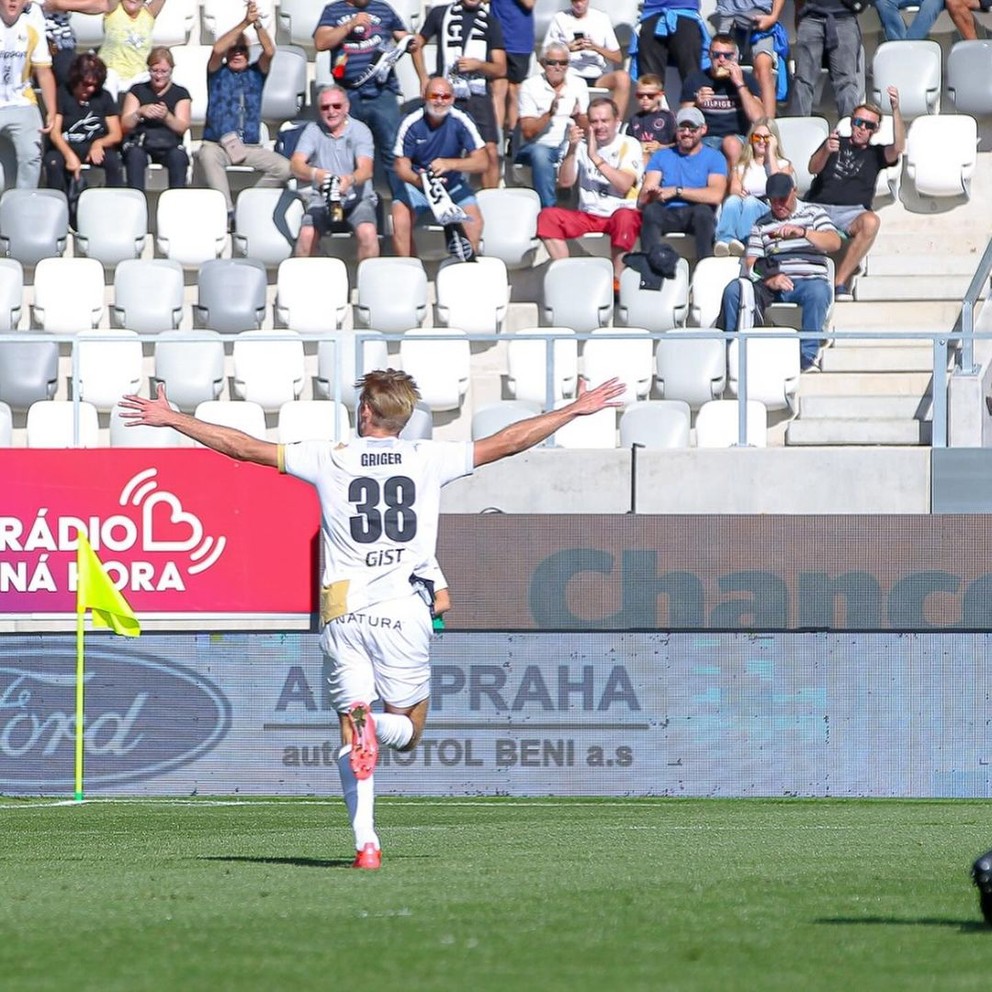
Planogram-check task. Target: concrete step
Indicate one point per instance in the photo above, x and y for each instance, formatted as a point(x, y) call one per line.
point(933, 287)
point(906, 233)
point(865, 407)
point(827, 431)
point(896, 315)
point(864, 383)
point(914, 358)
point(940, 263)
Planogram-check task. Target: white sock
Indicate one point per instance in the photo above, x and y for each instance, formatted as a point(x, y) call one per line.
point(359, 798)
point(393, 729)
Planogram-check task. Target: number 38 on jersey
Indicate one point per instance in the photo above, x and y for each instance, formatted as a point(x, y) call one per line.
point(383, 508)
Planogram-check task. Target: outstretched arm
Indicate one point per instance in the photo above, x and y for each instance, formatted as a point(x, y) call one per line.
point(526, 433)
point(226, 440)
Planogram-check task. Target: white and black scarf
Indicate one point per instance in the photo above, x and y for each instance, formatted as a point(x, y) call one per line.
point(452, 46)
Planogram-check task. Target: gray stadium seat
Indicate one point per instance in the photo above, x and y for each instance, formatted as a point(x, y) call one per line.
point(969, 77)
point(691, 368)
point(286, 85)
point(510, 225)
point(492, 418)
point(34, 224)
point(6, 426)
point(125, 435)
point(912, 66)
point(50, 424)
point(29, 372)
point(231, 295)
point(656, 424)
point(342, 352)
point(11, 291)
point(655, 309)
point(192, 370)
point(266, 224)
point(420, 426)
point(565, 306)
point(392, 294)
point(111, 224)
point(148, 295)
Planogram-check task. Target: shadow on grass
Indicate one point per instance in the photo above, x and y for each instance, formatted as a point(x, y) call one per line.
point(295, 862)
point(965, 926)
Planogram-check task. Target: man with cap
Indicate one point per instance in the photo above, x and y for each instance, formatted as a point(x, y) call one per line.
point(787, 252)
point(607, 167)
point(683, 186)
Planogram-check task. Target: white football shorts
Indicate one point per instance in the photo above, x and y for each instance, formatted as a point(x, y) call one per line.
point(382, 652)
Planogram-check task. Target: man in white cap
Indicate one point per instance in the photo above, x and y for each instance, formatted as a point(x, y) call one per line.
point(683, 186)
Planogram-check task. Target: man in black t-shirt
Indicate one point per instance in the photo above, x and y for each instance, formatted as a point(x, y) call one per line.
point(845, 171)
point(729, 98)
point(470, 53)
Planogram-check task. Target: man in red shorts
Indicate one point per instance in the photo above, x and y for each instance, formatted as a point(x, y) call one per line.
point(608, 168)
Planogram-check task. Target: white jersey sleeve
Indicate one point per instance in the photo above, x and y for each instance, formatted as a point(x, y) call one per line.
point(380, 499)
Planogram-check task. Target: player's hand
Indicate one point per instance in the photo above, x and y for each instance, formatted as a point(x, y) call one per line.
point(593, 400)
point(137, 410)
point(833, 142)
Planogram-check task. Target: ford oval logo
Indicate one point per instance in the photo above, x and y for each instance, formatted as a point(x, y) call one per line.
point(145, 715)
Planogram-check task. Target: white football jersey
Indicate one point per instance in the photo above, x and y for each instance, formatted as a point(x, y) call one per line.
point(379, 504)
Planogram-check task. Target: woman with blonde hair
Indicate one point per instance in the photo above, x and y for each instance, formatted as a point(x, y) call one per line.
point(762, 157)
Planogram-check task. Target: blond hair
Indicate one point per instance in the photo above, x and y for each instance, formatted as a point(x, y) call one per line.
point(747, 156)
point(390, 396)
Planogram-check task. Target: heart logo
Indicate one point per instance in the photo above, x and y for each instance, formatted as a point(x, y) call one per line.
point(177, 518)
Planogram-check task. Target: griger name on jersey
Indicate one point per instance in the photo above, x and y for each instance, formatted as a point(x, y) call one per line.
point(371, 458)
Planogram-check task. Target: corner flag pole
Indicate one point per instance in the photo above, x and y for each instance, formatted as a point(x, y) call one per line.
point(95, 592)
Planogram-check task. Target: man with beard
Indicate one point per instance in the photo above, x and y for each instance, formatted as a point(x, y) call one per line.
point(683, 186)
point(445, 142)
point(470, 54)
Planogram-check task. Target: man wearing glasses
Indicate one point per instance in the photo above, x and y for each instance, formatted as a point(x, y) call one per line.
point(683, 186)
point(444, 141)
point(845, 170)
point(729, 98)
point(653, 125)
point(336, 148)
point(357, 33)
point(231, 132)
point(550, 102)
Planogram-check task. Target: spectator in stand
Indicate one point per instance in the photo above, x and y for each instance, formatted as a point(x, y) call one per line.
point(87, 127)
point(550, 103)
point(787, 250)
point(595, 51)
point(155, 118)
point(695, 178)
point(336, 146)
point(232, 130)
point(761, 42)
point(653, 125)
point(445, 141)
point(358, 33)
point(670, 31)
point(127, 38)
point(827, 27)
point(24, 53)
point(470, 54)
point(516, 19)
point(895, 28)
point(763, 158)
point(844, 174)
point(961, 12)
point(608, 167)
point(729, 98)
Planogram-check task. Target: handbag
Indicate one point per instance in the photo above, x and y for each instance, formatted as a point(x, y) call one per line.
point(234, 146)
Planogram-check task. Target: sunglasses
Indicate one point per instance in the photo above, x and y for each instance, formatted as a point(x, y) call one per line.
point(729, 56)
point(688, 127)
point(861, 122)
point(440, 97)
point(558, 62)
point(331, 106)
point(237, 50)
point(647, 96)
point(760, 139)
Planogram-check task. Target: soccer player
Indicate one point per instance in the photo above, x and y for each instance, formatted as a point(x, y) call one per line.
point(380, 500)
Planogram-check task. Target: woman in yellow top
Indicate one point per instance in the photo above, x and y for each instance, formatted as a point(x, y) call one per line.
point(127, 37)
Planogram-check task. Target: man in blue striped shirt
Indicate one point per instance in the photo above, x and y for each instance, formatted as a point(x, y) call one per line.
point(787, 252)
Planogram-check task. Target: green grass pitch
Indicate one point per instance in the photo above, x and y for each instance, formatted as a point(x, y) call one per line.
point(500, 894)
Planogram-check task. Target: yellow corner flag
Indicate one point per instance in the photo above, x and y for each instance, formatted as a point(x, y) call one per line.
point(95, 591)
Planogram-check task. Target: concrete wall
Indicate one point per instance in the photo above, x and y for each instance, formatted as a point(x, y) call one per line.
point(744, 480)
